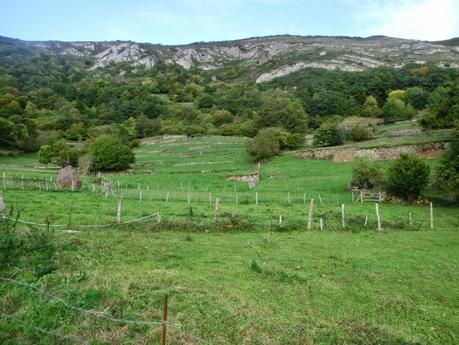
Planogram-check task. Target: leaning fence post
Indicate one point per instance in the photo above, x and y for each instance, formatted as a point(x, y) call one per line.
point(164, 324)
point(431, 217)
point(378, 217)
point(311, 208)
point(342, 216)
point(118, 212)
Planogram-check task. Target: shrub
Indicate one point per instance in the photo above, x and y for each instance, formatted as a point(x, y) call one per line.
point(265, 145)
point(366, 174)
point(34, 250)
point(328, 134)
point(45, 155)
point(109, 153)
point(447, 174)
point(407, 177)
point(358, 132)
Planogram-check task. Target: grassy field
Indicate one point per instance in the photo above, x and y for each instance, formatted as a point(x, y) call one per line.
point(236, 276)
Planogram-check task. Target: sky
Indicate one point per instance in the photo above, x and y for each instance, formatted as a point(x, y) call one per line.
point(186, 21)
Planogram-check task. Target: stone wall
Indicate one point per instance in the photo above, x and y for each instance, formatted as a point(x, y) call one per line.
point(337, 154)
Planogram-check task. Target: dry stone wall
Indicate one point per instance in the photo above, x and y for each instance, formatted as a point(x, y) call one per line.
point(337, 154)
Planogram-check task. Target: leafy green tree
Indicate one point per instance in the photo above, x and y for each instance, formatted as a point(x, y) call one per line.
point(280, 110)
point(264, 146)
point(395, 110)
point(109, 153)
point(407, 177)
point(7, 133)
point(371, 107)
point(417, 97)
point(45, 154)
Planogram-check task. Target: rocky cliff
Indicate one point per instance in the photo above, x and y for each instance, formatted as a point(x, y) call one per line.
point(271, 57)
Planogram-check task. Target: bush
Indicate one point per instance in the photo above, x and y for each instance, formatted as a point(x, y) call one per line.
point(264, 146)
point(407, 177)
point(328, 134)
point(366, 174)
point(109, 153)
point(45, 155)
point(447, 174)
point(358, 132)
point(20, 251)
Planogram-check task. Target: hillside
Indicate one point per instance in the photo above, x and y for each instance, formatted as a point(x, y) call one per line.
point(270, 57)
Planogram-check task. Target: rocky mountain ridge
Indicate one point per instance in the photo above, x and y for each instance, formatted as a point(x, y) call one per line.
point(271, 57)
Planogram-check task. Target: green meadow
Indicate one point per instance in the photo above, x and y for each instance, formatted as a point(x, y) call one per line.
point(239, 273)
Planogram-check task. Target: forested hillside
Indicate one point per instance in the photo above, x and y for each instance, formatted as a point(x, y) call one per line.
point(46, 95)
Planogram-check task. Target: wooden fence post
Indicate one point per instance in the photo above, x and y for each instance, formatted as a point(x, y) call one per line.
point(158, 217)
point(217, 202)
point(311, 210)
point(118, 212)
point(210, 198)
point(431, 217)
point(167, 197)
point(366, 221)
point(288, 198)
point(164, 323)
point(140, 195)
point(342, 216)
point(378, 217)
point(321, 224)
point(280, 220)
point(361, 197)
point(256, 198)
point(304, 198)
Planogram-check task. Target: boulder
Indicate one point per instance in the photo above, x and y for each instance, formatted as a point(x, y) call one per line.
point(68, 178)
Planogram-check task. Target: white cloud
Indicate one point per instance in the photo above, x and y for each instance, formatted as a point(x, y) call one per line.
point(417, 19)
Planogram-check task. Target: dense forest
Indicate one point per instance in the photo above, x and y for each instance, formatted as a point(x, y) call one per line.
point(45, 96)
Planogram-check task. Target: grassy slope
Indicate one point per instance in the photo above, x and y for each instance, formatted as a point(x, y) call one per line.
point(391, 287)
point(311, 288)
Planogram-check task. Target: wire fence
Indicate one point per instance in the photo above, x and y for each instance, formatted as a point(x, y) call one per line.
point(89, 312)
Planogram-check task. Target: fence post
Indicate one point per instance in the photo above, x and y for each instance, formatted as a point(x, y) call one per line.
point(304, 198)
point(280, 220)
point(158, 217)
point(320, 199)
point(256, 198)
point(366, 221)
point(410, 221)
point(217, 202)
point(311, 208)
point(118, 212)
point(431, 217)
point(167, 197)
point(237, 199)
point(361, 197)
point(288, 198)
point(140, 195)
point(378, 217)
point(321, 224)
point(164, 330)
point(342, 216)
point(210, 198)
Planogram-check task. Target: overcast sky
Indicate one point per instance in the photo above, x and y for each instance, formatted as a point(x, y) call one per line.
point(185, 21)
